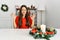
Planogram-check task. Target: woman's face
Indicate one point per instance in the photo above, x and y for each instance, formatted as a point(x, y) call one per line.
point(24, 10)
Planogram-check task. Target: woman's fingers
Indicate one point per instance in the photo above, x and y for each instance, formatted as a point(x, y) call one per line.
point(13, 14)
point(33, 16)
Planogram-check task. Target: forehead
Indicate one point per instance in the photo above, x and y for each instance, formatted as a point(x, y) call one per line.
point(23, 7)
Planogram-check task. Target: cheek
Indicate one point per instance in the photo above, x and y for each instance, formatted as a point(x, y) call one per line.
point(23, 12)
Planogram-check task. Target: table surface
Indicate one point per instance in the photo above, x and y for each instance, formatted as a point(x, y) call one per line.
point(22, 34)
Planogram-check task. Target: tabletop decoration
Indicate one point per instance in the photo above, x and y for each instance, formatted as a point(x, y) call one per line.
point(38, 33)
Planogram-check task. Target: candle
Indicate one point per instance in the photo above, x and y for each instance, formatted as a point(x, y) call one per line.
point(43, 28)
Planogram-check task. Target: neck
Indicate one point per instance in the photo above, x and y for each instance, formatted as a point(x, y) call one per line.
point(23, 16)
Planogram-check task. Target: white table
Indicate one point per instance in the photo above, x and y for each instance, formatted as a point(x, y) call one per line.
point(22, 34)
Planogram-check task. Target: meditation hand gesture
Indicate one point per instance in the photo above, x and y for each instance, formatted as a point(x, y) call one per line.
point(33, 16)
point(13, 14)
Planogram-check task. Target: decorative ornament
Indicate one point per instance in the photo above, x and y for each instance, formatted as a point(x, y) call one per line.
point(37, 33)
point(4, 7)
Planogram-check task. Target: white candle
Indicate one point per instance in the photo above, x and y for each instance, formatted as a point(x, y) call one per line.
point(43, 28)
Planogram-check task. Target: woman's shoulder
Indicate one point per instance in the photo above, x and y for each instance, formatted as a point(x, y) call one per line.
point(17, 16)
point(29, 17)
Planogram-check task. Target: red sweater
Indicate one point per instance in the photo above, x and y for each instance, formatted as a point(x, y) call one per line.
point(23, 26)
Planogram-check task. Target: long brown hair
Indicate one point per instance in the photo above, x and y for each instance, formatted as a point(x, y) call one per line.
point(21, 15)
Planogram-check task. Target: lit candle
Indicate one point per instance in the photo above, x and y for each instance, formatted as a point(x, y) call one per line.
point(43, 28)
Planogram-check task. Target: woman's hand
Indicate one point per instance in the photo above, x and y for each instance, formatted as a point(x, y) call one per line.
point(33, 16)
point(13, 14)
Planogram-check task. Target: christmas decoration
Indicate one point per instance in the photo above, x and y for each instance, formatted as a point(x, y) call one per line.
point(37, 33)
point(4, 7)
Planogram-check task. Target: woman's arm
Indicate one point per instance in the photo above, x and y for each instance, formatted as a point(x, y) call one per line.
point(32, 17)
point(32, 23)
point(14, 24)
point(13, 17)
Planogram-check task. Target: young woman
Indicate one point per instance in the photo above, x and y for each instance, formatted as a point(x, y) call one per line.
point(24, 20)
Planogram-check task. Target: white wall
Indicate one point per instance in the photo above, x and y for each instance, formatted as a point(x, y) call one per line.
point(5, 17)
point(53, 13)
